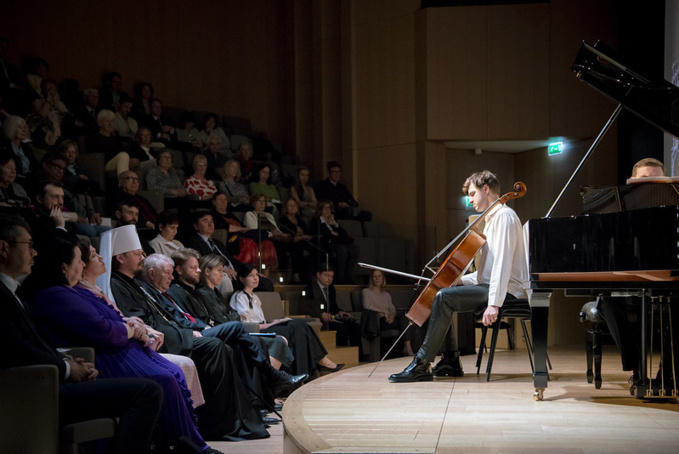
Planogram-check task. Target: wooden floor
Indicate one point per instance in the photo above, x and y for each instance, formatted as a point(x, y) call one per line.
point(348, 412)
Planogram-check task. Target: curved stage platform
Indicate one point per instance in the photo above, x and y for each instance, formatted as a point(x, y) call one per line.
point(350, 412)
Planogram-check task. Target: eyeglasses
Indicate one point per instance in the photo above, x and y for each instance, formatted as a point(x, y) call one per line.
point(130, 178)
point(58, 167)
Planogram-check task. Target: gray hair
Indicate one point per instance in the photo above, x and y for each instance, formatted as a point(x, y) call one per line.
point(10, 126)
point(156, 261)
point(105, 114)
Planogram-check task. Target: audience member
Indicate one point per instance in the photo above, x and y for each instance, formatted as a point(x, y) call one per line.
point(165, 242)
point(245, 161)
point(198, 184)
point(304, 194)
point(215, 157)
point(241, 240)
point(378, 300)
point(17, 136)
point(12, 194)
point(75, 317)
point(127, 213)
point(320, 301)
point(141, 153)
point(211, 127)
point(265, 226)
point(202, 241)
point(261, 184)
point(344, 203)
point(76, 179)
point(37, 72)
point(136, 402)
point(47, 117)
point(212, 272)
point(128, 188)
point(308, 350)
point(124, 125)
point(161, 129)
point(291, 223)
point(111, 93)
point(105, 141)
point(239, 198)
point(143, 95)
point(164, 177)
point(332, 238)
point(87, 221)
point(86, 123)
point(187, 134)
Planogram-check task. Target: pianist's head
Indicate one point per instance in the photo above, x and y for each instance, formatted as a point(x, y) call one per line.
point(648, 167)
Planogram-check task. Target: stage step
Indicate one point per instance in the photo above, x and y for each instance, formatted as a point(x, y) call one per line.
point(346, 355)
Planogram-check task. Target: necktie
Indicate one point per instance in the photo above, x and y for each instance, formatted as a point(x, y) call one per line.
point(325, 293)
point(188, 316)
point(216, 250)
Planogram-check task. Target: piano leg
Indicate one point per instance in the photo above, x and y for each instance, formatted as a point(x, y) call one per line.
point(539, 323)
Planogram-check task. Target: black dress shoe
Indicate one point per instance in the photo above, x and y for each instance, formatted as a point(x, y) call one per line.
point(278, 407)
point(449, 366)
point(418, 370)
point(285, 382)
point(330, 369)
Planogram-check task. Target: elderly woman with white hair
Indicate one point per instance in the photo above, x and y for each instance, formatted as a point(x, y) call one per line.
point(17, 133)
point(105, 141)
point(197, 184)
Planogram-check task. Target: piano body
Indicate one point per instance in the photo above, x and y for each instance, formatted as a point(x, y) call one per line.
point(628, 240)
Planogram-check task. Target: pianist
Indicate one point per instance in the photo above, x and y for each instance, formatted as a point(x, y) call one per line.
point(648, 167)
point(622, 314)
point(502, 273)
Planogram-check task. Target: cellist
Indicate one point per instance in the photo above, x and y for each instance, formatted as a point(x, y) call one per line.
point(502, 273)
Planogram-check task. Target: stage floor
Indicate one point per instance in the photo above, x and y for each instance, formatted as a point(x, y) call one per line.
point(350, 412)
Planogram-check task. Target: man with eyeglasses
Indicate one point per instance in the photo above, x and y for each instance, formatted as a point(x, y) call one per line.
point(88, 221)
point(128, 188)
point(135, 401)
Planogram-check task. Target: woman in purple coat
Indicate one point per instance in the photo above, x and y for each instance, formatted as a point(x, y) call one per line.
point(77, 317)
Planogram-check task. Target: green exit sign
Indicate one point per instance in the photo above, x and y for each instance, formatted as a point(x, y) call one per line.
point(555, 148)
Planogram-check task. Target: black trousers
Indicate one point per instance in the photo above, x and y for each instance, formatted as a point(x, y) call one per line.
point(227, 413)
point(136, 401)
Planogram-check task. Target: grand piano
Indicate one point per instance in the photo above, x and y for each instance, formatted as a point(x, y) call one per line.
point(628, 240)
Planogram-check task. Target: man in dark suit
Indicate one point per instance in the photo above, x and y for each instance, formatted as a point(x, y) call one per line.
point(136, 402)
point(320, 301)
point(160, 127)
point(201, 240)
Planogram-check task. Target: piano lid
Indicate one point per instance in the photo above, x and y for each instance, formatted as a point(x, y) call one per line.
point(656, 101)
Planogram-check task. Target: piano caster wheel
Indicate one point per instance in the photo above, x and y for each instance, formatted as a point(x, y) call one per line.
point(538, 395)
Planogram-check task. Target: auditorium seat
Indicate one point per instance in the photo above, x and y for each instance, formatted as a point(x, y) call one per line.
point(29, 420)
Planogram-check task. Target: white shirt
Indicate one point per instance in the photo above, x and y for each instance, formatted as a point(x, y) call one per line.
point(501, 263)
point(240, 302)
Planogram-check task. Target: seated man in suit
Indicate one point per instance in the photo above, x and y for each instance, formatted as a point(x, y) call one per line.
point(201, 240)
point(128, 188)
point(136, 401)
point(320, 300)
point(344, 202)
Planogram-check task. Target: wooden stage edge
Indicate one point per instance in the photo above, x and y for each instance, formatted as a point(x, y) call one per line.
point(350, 412)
